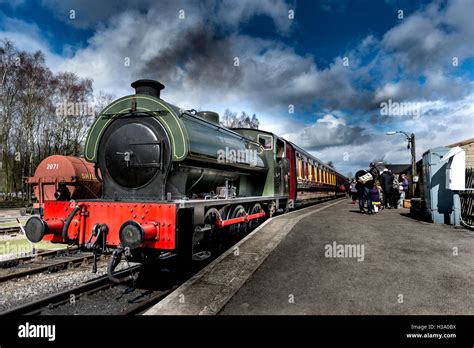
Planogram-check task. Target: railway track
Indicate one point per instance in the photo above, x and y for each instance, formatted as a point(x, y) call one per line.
point(52, 261)
point(99, 296)
point(39, 255)
point(10, 230)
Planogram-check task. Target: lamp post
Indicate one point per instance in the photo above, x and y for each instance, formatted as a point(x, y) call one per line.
point(411, 145)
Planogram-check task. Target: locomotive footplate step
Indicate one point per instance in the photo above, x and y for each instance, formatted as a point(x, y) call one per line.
point(331, 259)
point(201, 256)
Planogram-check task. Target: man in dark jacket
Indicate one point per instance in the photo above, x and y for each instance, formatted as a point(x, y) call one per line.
point(386, 181)
point(365, 181)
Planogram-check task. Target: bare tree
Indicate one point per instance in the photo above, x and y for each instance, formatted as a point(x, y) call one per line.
point(34, 86)
point(40, 114)
point(231, 120)
point(379, 160)
point(9, 66)
point(74, 113)
point(101, 100)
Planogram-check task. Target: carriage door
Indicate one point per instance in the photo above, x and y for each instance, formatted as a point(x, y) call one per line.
point(281, 168)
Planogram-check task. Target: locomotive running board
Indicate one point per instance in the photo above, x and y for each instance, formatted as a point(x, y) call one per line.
point(200, 206)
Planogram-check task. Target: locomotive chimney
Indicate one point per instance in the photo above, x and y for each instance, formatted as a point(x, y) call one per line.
point(148, 87)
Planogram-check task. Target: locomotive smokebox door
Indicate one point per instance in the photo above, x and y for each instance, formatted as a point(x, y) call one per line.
point(135, 154)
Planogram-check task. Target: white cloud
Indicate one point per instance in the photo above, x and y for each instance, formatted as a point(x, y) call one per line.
point(429, 39)
point(233, 13)
point(326, 132)
point(28, 37)
point(229, 13)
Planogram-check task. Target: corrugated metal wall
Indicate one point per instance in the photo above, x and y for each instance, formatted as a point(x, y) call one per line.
point(467, 199)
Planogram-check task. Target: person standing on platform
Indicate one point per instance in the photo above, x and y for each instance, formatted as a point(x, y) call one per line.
point(375, 197)
point(395, 192)
point(386, 182)
point(346, 187)
point(366, 180)
point(403, 189)
point(353, 189)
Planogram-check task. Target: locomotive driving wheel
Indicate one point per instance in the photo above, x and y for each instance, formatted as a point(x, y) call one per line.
point(215, 238)
point(241, 227)
point(211, 216)
point(257, 208)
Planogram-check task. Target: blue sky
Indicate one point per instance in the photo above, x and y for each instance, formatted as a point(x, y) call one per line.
point(335, 62)
point(58, 33)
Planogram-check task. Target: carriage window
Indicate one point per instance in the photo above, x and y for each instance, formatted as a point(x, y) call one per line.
point(266, 141)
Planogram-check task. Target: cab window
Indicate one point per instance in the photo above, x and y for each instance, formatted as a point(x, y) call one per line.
point(266, 141)
point(280, 149)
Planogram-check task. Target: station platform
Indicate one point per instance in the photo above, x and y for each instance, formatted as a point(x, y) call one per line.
point(331, 259)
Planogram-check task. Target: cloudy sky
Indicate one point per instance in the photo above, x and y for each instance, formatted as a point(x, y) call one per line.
point(315, 72)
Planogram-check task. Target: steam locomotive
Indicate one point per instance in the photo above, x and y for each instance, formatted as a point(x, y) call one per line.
point(175, 182)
